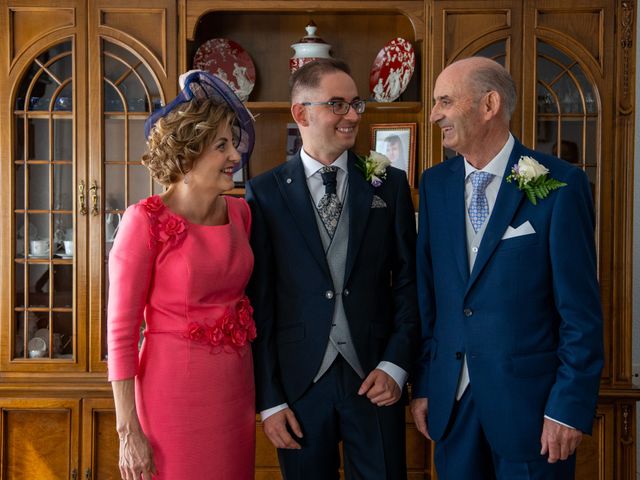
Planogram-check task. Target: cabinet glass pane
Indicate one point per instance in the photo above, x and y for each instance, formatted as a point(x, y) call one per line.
point(62, 336)
point(19, 139)
point(63, 232)
point(113, 99)
point(114, 140)
point(38, 285)
point(114, 187)
point(63, 139)
point(38, 230)
point(137, 142)
point(38, 329)
point(20, 247)
point(19, 178)
point(19, 284)
point(134, 93)
point(64, 101)
point(19, 337)
point(38, 187)
point(63, 285)
point(63, 186)
point(139, 183)
point(38, 139)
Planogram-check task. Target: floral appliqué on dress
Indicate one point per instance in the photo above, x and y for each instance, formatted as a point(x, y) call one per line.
point(231, 332)
point(164, 226)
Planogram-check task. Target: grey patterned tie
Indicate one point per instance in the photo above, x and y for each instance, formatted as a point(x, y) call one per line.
point(479, 206)
point(329, 206)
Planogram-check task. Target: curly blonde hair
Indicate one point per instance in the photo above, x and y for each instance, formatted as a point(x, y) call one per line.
point(178, 139)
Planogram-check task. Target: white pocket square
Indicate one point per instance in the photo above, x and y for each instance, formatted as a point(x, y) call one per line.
point(524, 229)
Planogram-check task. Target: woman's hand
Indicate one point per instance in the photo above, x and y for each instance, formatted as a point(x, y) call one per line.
point(136, 457)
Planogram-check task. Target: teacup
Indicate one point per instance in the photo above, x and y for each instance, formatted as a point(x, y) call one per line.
point(68, 247)
point(39, 248)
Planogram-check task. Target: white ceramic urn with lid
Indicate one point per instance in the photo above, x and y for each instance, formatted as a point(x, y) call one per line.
point(310, 47)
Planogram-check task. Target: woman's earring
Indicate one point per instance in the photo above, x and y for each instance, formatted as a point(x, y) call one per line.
point(186, 179)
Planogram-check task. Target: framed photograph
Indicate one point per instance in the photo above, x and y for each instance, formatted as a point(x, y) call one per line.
point(398, 142)
point(294, 140)
point(241, 176)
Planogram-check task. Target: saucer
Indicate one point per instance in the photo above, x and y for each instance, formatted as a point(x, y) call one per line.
point(64, 256)
point(33, 255)
point(37, 344)
point(230, 62)
point(391, 70)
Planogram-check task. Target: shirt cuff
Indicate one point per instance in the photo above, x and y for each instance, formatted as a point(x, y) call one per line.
point(398, 374)
point(554, 420)
point(264, 414)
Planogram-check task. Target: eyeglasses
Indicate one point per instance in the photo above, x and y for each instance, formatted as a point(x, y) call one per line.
point(341, 107)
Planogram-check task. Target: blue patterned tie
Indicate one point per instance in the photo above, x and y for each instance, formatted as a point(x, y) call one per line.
point(479, 207)
point(329, 206)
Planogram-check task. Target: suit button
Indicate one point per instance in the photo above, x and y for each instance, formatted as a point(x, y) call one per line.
point(346, 292)
point(467, 312)
point(458, 355)
point(328, 294)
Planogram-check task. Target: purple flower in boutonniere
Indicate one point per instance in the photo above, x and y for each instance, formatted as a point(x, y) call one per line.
point(374, 167)
point(532, 178)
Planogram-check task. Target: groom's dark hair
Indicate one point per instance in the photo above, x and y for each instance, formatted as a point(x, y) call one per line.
point(310, 74)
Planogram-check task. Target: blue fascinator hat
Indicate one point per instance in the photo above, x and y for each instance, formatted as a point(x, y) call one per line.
point(200, 85)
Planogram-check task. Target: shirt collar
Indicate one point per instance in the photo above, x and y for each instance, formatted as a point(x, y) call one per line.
point(497, 164)
point(311, 165)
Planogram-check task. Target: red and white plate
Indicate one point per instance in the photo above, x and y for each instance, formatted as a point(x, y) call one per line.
point(391, 70)
point(229, 61)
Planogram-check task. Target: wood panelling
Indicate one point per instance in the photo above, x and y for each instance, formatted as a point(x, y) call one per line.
point(26, 25)
point(40, 438)
point(585, 26)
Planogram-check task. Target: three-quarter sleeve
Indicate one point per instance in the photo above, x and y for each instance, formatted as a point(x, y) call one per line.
point(130, 268)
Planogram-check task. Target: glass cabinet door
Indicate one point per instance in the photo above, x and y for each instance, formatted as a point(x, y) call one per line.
point(44, 326)
point(567, 112)
point(130, 92)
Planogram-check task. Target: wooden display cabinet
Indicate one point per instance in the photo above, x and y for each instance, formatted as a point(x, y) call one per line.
point(77, 80)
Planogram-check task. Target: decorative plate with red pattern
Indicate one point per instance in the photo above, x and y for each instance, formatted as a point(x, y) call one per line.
point(229, 61)
point(391, 70)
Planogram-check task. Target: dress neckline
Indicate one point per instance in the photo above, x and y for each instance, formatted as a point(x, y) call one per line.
point(185, 220)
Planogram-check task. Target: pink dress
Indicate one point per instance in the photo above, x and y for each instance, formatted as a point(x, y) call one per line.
point(194, 373)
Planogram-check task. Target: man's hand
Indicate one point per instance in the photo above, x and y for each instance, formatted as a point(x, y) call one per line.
point(275, 427)
point(419, 410)
point(380, 388)
point(558, 441)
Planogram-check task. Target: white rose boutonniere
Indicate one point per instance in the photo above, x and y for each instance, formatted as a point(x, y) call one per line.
point(532, 178)
point(374, 167)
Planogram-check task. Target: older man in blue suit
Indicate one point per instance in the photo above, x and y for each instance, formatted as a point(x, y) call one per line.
point(334, 292)
point(509, 368)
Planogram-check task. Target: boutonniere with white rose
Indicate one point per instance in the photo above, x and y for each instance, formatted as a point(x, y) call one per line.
point(532, 178)
point(374, 167)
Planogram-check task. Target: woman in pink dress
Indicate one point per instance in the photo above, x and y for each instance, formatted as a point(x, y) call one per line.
point(181, 260)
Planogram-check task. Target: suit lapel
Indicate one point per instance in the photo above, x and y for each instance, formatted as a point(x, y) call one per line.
point(293, 185)
point(359, 200)
point(507, 202)
point(455, 220)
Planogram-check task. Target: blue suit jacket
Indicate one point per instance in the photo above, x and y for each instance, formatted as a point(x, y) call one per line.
point(528, 316)
point(291, 278)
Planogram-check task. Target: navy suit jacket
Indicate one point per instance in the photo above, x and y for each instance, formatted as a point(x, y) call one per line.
point(291, 278)
point(528, 317)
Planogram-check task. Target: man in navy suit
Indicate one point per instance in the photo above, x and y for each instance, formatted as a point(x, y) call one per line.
point(511, 349)
point(333, 291)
